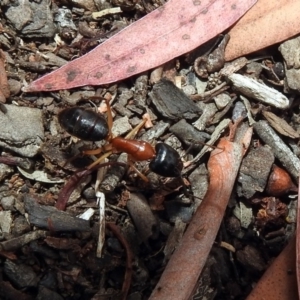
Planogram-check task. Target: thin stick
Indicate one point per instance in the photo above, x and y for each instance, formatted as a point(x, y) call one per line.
point(109, 119)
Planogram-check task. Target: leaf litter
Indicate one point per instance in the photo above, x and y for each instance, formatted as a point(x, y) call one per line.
point(268, 220)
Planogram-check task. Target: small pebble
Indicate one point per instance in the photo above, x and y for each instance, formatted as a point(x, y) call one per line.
point(8, 202)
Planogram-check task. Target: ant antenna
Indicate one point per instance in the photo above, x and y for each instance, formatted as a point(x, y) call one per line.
point(193, 142)
point(109, 118)
point(93, 104)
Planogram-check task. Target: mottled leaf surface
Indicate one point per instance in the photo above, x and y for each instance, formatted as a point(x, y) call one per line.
point(267, 23)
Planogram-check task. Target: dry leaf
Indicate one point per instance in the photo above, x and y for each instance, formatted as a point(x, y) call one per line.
point(176, 28)
point(279, 281)
point(267, 23)
point(280, 125)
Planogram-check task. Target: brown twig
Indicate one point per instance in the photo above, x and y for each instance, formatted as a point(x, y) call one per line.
point(74, 180)
point(16, 161)
point(69, 187)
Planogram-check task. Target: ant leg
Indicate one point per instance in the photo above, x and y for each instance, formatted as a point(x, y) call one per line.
point(105, 149)
point(100, 159)
point(109, 115)
point(100, 150)
point(135, 130)
point(131, 165)
point(82, 153)
point(109, 119)
point(92, 151)
point(71, 159)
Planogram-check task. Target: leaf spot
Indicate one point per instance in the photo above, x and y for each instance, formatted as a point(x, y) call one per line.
point(197, 2)
point(107, 56)
point(131, 69)
point(200, 232)
point(186, 37)
point(233, 6)
point(204, 11)
point(98, 75)
point(48, 86)
point(142, 51)
point(72, 74)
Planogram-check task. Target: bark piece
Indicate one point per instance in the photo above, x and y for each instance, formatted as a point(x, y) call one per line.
point(189, 134)
point(143, 218)
point(251, 259)
point(21, 275)
point(254, 172)
point(5, 221)
point(290, 53)
point(5, 170)
point(281, 151)
point(244, 214)
point(22, 130)
point(258, 91)
point(280, 125)
point(172, 103)
point(209, 111)
point(32, 19)
point(20, 241)
point(50, 218)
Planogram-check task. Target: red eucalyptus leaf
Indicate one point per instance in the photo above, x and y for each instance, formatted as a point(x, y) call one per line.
point(176, 28)
point(279, 282)
point(268, 23)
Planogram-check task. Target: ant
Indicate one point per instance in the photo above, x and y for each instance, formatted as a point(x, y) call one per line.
point(91, 126)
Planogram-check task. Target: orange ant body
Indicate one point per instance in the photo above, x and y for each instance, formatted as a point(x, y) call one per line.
point(91, 126)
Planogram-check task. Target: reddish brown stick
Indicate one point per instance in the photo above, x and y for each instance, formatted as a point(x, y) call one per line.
point(73, 182)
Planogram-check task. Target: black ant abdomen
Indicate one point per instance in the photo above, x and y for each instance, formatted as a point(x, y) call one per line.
point(84, 124)
point(167, 161)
